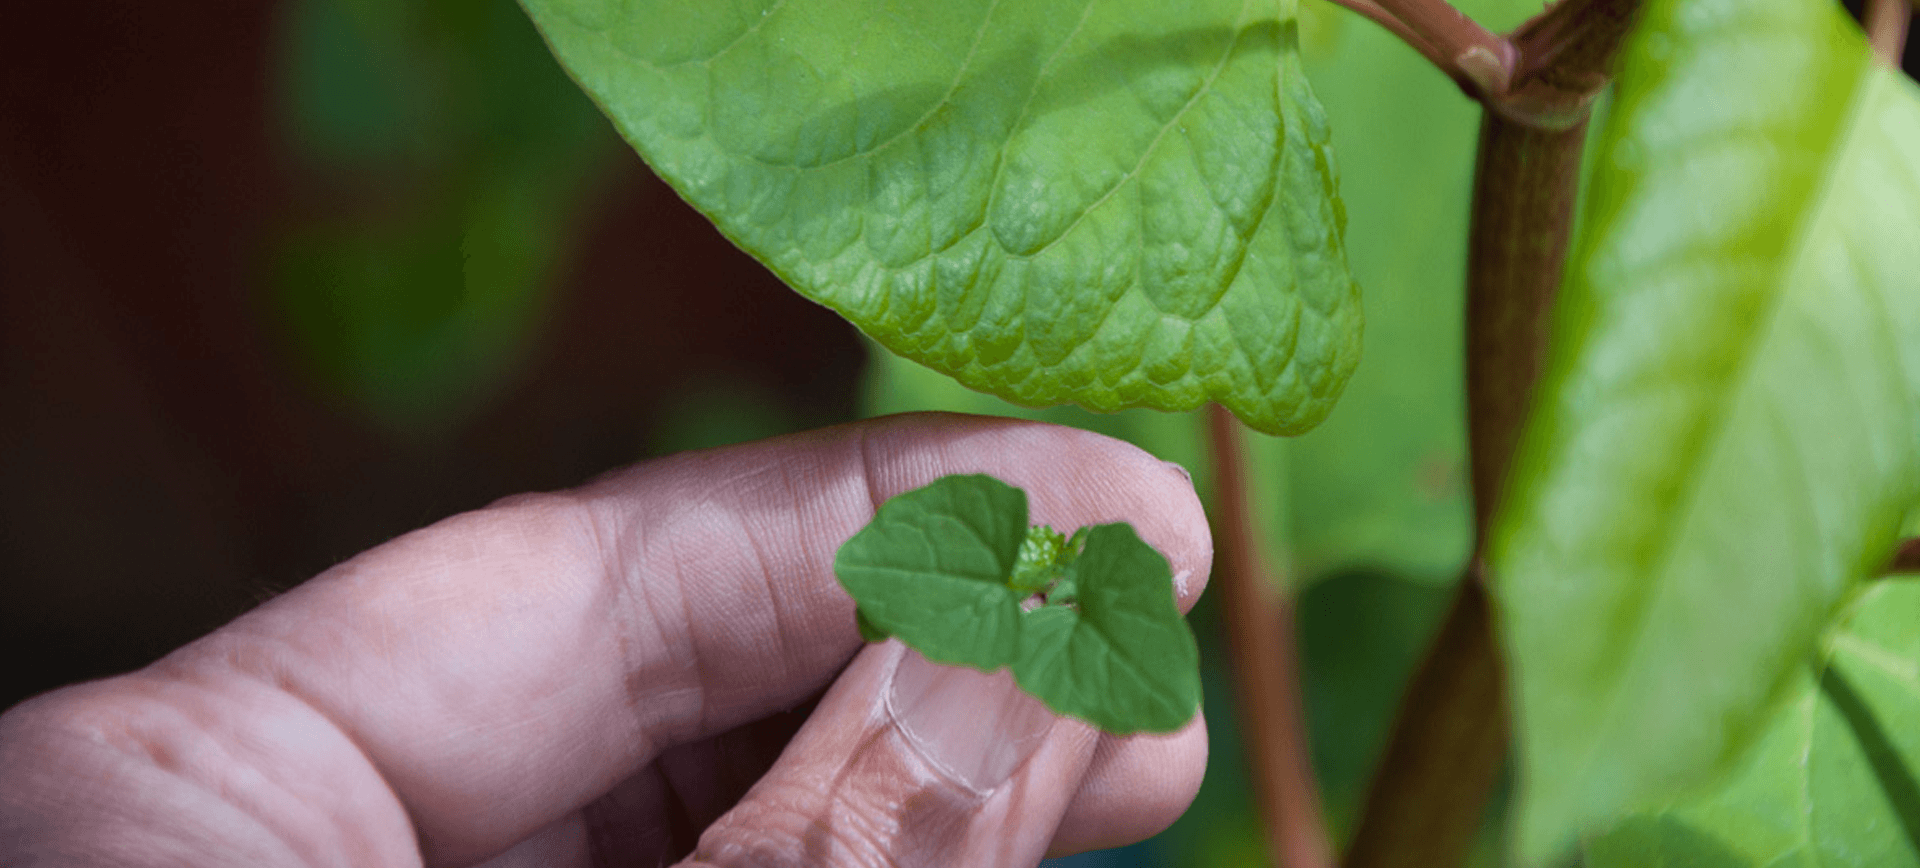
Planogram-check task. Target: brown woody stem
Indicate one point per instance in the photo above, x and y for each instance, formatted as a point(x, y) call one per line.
point(1566, 55)
point(1524, 188)
point(1264, 655)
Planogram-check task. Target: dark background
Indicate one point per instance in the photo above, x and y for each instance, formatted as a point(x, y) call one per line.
point(171, 451)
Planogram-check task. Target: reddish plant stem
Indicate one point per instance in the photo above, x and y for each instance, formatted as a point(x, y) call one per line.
point(1525, 183)
point(1481, 61)
point(1886, 23)
point(1373, 12)
point(1565, 57)
point(1263, 652)
point(1447, 748)
point(1906, 558)
point(1450, 738)
point(1545, 74)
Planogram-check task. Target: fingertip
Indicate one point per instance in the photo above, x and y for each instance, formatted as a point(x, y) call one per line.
point(1135, 787)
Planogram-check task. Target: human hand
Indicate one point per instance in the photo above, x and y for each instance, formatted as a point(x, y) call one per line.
point(594, 677)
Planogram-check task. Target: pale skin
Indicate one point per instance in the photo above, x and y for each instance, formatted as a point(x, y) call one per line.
point(603, 676)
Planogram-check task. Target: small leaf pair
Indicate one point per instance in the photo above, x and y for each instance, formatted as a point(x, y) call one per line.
point(948, 568)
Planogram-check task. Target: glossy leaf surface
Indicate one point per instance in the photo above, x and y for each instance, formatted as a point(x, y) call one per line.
point(1111, 204)
point(1831, 782)
point(1726, 436)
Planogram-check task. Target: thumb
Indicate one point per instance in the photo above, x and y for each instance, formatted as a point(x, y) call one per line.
point(910, 763)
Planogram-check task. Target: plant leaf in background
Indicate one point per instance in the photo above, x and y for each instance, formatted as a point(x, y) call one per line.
point(946, 567)
point(1110, 204)
point(1727, 437)
point(1831, 781)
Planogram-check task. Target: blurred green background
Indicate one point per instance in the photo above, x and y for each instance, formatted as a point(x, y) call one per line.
point(281, 281)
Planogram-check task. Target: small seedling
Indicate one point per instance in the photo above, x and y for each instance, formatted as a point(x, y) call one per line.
point(1087, 623)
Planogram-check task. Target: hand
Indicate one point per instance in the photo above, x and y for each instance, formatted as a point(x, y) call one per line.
point(595, 676)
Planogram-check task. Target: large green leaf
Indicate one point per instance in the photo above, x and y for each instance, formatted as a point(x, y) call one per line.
point(1381, 484)
point(1725, 441)
point(1111, 204)
point(1831, 782)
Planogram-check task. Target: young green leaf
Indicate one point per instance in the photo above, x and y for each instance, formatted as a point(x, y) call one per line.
point(1042, 557)
point(1121, 658)
point(1113, 204)
point(1831, 782)
point(945, 568)
point(869, 631)
point(1728, 432)
point(932, 568)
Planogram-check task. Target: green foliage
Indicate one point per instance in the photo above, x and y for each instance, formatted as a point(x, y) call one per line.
point(473, 149)
point(947, 567)
point(934, 567)
point(1725, 439)
point(1381, 484)
point(720, 410)
point(1110, 204)
point(1830, 782)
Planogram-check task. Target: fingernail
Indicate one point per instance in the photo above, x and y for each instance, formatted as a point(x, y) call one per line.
point(974, 727)
point(1181, 468)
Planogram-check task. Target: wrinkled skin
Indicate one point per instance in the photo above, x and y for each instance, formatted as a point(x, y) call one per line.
point(598, 676)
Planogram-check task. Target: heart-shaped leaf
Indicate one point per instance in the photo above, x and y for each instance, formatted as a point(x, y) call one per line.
point(933, 568)
point(1121, 658)
point(1110, 204)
